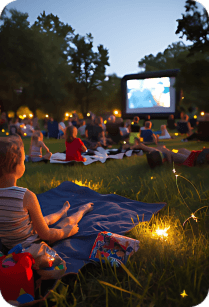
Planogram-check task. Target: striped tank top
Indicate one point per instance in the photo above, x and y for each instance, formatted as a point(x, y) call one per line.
point(36, 151)
point(15, 223)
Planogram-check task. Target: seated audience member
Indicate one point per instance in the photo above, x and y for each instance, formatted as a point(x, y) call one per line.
point(82, 128)
point(3, 121)
point(36, 123)
point(147, 134)
point(160, 154)
point(147, 118)
point(135, 127)
point(14, 127)
point(136, 120)
point(75, 120)
point(62, 128)
point(185, 119)
point(36, 146)
point(202, 133)
point(74, 145)
point(21, 218)
point(124, 130)
point(171, 124)
point(112, 130)
point(29, 128)
point(164, 133)
point(128, 125)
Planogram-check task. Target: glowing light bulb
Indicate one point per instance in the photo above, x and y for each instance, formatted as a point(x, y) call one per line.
point(116, 112)
point(88, 114)
point(202, 113)
point(47, 115)
point(176, 134)
point(7, 133)
point(195, 116)
point(67, 114)
point(31, 115)
point(2, 130)
point(25, 134)
point(24, 115)
point(162, 232)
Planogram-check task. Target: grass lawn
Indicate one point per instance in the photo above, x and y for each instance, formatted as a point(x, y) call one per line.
point(162, 268)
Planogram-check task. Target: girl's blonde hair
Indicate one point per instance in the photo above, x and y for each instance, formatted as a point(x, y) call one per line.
point(36, 135)
point(10, 153)
point(69, 134)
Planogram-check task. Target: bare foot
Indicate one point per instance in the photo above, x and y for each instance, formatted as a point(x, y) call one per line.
point(66, 206)
point(86, 208)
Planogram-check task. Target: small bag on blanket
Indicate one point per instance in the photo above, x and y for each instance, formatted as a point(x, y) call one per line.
point(114, 247)
point(48, 264)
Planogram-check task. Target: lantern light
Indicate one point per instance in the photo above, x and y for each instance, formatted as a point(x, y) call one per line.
point(47, 115)
point(25, 134)
point(2, 130)
point(7, 133)
point(88, 114)
point(195, 116)
point(30, 115)
point(162, 232)
point(116, 112)
point(105, 121)
point(202, 113)
point(24, 115)
point(66, 114)
point(176, 134)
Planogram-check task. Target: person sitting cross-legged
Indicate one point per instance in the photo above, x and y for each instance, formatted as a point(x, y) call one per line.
point(36, 146)
point(21, 218)
point(74, 145)
point(147, 134)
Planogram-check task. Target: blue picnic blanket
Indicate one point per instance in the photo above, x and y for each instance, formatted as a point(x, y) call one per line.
point(111, 213)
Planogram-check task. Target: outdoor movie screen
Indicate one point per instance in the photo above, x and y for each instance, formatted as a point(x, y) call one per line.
point(150, 94)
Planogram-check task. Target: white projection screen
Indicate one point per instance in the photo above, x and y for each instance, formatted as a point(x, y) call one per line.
point(150, 93)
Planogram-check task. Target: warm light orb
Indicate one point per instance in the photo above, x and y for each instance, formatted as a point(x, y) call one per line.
point(162, 232)
point(116, 112)
point(183, 294)
point(24, 115)
point(88, 114)
point(2, 130)
point(24, 127)
point(71, 115)
point(124, 142)
point(30, 115)
point(132, 123)
point(141, 139)
point(175, 150)
point(176, 134)
point(7, 133)
point(66, 114)
point(202, 113)
point(46, 115)
point(151, 178)
point(194, 217)
point(25, 134)
point(105, 121)
point(174, 171)
point(195, 116)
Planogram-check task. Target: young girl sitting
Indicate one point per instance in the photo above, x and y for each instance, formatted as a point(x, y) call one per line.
point(74, 145)
point(21, 219)
point(164, 133)
point(35, 151)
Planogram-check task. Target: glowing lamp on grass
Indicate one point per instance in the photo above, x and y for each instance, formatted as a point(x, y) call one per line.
point(195, 116)
point(132, 123)
point(7, 133)
point(162, 232)
point(176, 134)
point(124, 142)
point(25, 134)
point(105, 121)
point(183, 294)
point(88, 114)
point(202, 113)
point(2, 130)
point(175, 150)
point(71, 115)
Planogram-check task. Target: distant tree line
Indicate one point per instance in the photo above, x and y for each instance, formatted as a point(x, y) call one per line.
point(192, 60)
point(47, 66)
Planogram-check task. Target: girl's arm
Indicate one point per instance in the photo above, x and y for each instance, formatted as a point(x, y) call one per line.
point(44, 146)
point(83, 148)
point(30, 202)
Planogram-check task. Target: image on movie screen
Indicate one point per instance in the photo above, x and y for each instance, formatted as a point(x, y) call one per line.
point(148, 93)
